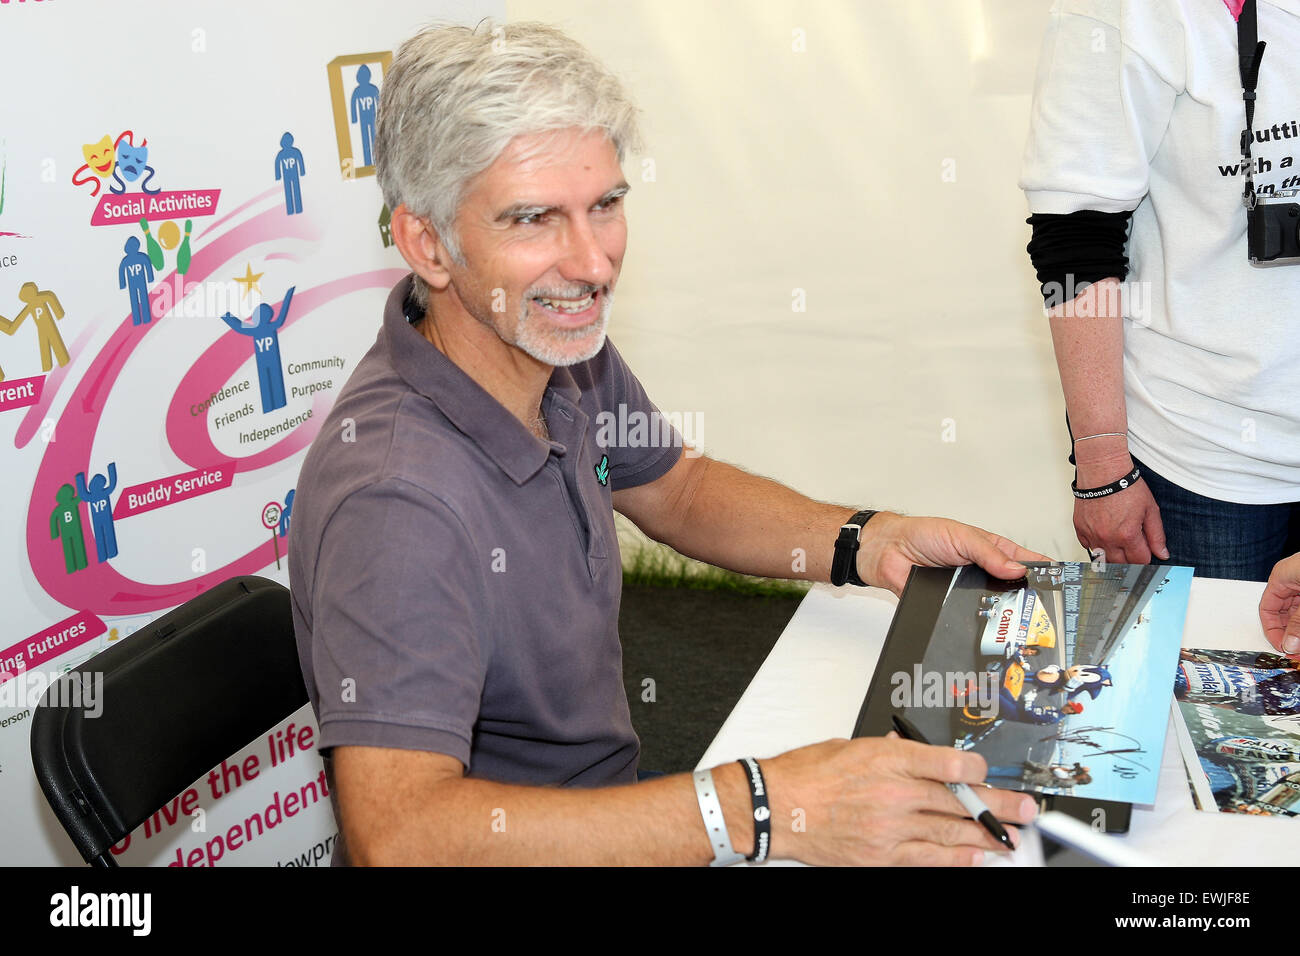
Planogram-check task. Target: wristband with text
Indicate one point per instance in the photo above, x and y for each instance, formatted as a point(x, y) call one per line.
point(1115, 486)
point(762, 812)
point(844, 566)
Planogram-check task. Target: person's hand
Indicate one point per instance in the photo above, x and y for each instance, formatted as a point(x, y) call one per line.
point(892, 543)
point(1279, 608)
point(1125, 525)
point(882, 801)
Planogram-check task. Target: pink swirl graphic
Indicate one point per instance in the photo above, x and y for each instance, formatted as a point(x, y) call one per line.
point(99, 588)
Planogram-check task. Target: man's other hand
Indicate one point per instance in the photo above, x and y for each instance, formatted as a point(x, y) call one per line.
point(1126, 525)
point(892, 543)
point(882, 801)
point(1279, 608)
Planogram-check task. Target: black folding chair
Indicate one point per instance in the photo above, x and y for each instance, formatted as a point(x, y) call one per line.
point(178, 697)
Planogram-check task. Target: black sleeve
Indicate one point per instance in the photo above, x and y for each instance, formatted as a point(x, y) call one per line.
point(1070, 252)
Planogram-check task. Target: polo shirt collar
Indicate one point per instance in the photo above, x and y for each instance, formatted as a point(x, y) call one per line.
point(474, 412)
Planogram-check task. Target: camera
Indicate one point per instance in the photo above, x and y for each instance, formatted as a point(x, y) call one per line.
point(1273, 227)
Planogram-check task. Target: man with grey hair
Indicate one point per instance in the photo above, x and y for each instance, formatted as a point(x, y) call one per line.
point(454, 563)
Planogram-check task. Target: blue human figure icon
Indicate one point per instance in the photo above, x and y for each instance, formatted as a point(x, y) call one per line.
point(101, 511)
point(263, 329)
point(365, 103)
point(289, 169)
point(134, 274)
point(284, 513)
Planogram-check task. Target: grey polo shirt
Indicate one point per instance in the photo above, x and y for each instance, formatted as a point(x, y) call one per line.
point(456, 580)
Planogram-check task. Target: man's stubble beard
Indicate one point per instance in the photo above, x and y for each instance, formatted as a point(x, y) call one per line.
point(552, 345)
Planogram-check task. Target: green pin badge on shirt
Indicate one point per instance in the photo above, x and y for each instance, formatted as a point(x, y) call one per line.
point(602, 470)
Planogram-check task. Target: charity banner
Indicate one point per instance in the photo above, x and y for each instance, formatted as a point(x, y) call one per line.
point(187, 280)
point(116, 211)
point(174, 489)
point(48, 643)
point(21, 393)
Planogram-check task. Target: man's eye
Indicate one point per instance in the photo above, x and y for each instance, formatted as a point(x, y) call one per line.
point(530, 218)
point(612, 203)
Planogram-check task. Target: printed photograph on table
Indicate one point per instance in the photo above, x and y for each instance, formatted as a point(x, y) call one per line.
point(1238, 721)
point(1061, 680)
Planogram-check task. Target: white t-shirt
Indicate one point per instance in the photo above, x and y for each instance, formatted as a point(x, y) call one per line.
point(1138, 107)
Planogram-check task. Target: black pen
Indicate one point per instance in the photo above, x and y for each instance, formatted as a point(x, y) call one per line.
point(973, 804)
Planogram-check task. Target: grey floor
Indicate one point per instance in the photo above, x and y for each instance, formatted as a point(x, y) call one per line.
point(688, 655)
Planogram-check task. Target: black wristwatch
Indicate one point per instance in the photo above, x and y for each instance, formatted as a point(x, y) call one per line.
point(844, 566)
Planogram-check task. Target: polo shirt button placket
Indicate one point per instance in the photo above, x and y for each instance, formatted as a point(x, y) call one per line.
point(596, 552)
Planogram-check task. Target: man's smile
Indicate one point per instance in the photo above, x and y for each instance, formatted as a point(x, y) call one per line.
point(570, 313)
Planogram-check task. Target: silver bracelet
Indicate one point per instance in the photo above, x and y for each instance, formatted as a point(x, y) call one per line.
point(1103, 435)
point(711, 811)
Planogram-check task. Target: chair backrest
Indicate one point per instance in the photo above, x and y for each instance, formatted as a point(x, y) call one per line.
point(177, 697)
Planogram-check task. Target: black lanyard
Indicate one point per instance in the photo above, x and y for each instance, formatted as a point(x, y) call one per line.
point(1250, 50)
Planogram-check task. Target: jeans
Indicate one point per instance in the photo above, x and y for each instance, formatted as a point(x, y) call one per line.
point(1221, 539)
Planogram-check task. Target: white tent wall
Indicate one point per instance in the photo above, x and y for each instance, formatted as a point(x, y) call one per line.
point(863, 155)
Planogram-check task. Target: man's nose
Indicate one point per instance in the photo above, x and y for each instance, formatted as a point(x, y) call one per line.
point(585, 257)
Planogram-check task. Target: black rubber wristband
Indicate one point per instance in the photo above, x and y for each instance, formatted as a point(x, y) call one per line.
point(1114, 487)
point(762, 813)
point(844, 566)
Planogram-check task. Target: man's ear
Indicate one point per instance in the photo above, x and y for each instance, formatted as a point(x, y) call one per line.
point(420, 246)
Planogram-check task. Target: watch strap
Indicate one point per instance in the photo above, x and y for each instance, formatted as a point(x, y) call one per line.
point(844, 566)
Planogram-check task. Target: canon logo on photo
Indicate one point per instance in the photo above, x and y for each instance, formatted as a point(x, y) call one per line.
point(1005, 622)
